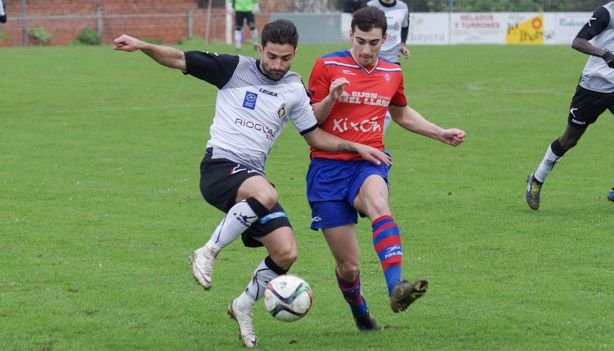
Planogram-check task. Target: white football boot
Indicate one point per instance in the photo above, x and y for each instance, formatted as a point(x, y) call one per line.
point(243, 316)
point(202, 265)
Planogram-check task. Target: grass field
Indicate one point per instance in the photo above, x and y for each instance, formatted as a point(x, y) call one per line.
point(100, 209)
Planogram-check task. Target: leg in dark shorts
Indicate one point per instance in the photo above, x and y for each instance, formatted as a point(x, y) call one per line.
point(219, 183)
point(241, 17)
point(586, 107)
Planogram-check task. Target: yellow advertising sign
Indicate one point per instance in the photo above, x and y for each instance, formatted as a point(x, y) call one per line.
point(527, 32)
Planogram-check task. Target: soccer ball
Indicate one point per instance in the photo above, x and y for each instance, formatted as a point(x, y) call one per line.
point(287, 298)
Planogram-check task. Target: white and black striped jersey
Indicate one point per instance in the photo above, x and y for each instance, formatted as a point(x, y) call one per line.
point(599, 30)
point(397, 17)
point(251, 110)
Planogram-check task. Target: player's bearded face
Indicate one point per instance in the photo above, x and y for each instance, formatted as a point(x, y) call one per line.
point(366, 46)
point(276, 59)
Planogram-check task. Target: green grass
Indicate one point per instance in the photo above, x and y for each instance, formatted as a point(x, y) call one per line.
point(100, 208)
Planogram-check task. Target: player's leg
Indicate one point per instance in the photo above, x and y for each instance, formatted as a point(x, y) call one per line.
point(240, 192)
point(344, 247)
point(556, 150)
point(328, 182)
point(251, 22)
point(239, 18)
point(372, 200)
point(254, 199)
point(586, 106)
point(281, 247)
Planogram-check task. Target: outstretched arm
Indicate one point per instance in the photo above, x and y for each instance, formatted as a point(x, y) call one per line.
point(585, 47)
point(164, 55)
point(323, 140)
point(413, 121)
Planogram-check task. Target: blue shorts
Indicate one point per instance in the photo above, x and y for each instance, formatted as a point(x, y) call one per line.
point(332, 186)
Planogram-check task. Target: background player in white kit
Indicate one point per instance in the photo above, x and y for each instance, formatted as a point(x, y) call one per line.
point(2, 12)
point(397, 18)
point(256, 98)
point(594, 94)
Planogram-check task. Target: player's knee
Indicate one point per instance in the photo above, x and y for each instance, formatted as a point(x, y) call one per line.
point(348, 271)
point(267, 197)
point(376, 206)
point(285, 256)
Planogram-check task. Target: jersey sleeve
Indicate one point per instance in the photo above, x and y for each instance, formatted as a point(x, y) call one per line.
point(399, 98)
point(405, 23)
point(301, 113)
point(598, 22)
point(211, 67)
point(319, 84)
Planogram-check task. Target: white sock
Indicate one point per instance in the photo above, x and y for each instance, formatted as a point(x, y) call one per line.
point(238, 38)
point(245, 300)
point(547, 164)
point(255, 36)
point(260, 279)
point(237, 220)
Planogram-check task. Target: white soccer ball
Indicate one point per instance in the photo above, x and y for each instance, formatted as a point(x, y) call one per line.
point(287, 298)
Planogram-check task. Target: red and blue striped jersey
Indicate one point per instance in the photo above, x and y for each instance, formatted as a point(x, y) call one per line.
point(358, 114)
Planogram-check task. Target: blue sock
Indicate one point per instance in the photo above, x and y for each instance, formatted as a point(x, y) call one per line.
point(387, 244)
point(352, 294)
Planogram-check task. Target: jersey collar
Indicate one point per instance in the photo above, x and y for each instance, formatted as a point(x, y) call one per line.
point(262, 73)
point(365, 69)
point(394, 3)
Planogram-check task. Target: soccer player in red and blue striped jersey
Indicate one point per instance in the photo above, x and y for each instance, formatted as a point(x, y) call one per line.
point(351, 91)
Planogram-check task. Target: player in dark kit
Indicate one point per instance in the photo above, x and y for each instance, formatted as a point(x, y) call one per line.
point(594, 94)
point(256, 99)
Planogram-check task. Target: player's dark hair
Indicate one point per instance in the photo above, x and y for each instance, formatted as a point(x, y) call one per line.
point(368, 18)
point(281, 32)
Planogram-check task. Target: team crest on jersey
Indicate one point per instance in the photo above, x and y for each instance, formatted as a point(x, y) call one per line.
point(250, 100)
point(281, 111)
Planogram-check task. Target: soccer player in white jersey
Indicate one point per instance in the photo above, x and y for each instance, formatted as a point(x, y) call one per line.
point(397, 18)
point(594, 94)
point(256, 99)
